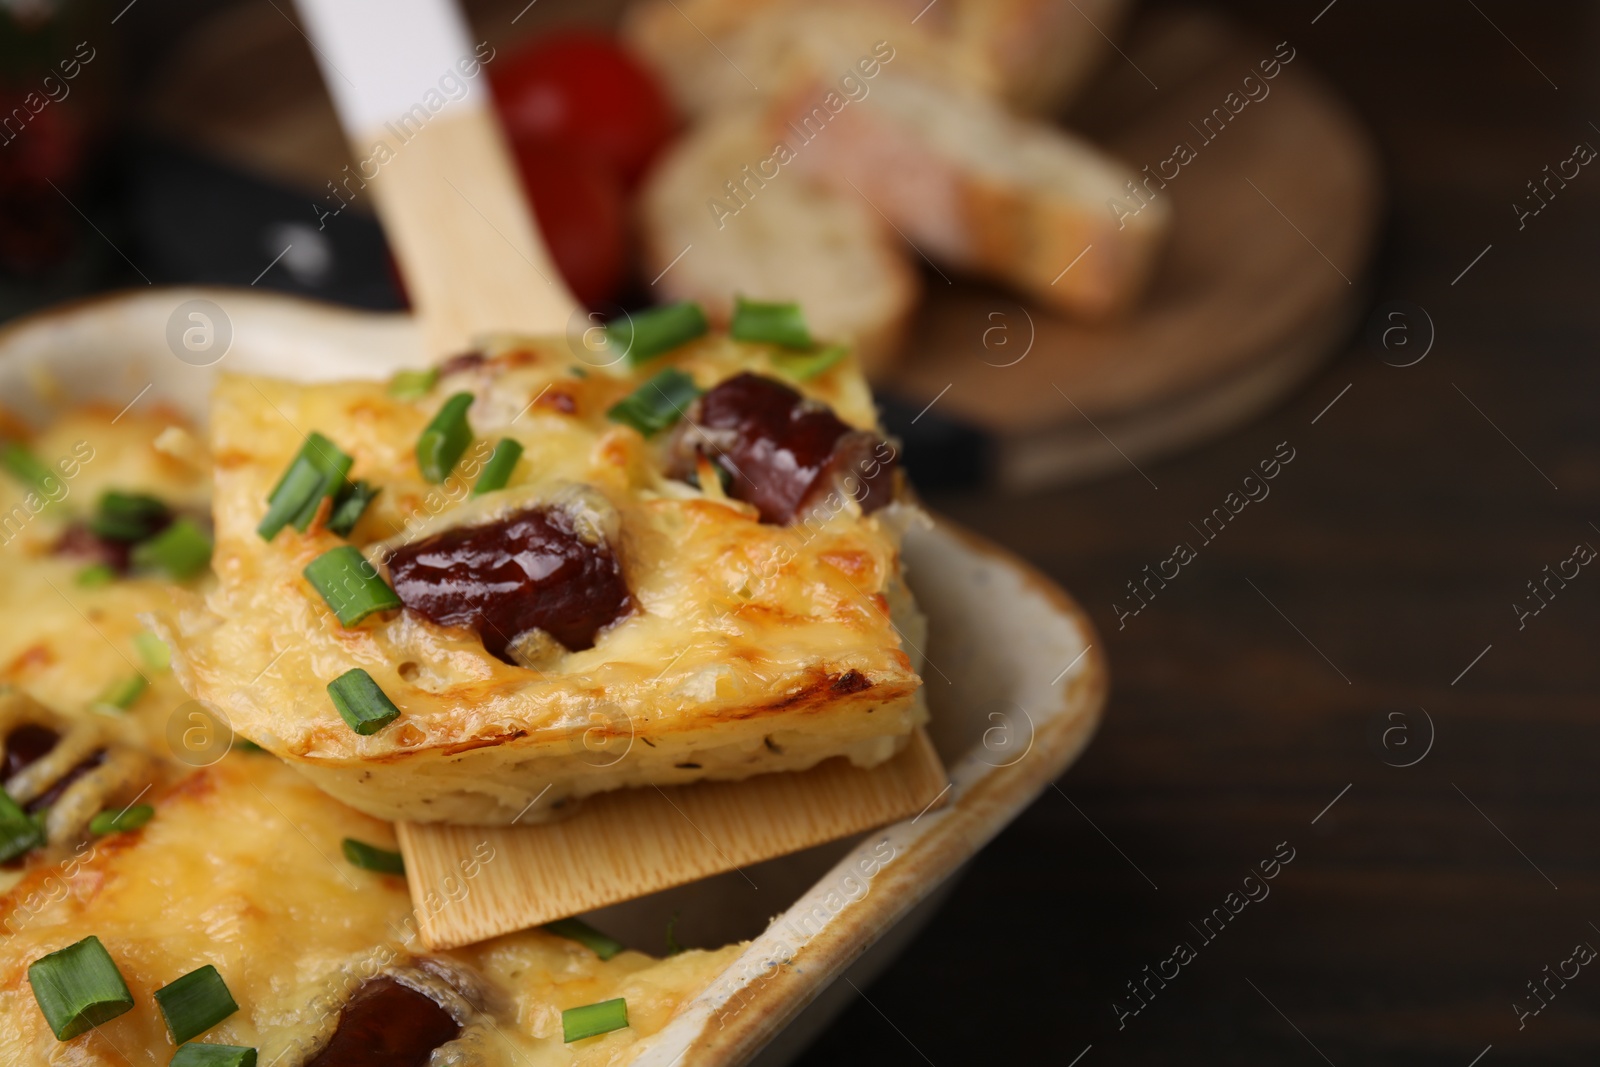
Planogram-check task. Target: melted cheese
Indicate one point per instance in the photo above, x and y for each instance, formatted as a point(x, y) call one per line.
point(241, 867)
point(752, 647)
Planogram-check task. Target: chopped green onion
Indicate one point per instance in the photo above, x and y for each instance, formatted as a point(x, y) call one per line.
point(123, 692)
point(602, 945)
point(298, 485)
point(116, 822)
point(78, 987)
point(19, 838)
point(579, 372)
point(350, 505)
point(182, 550)
point(372, 858)
point(497, 472)
point(128, 516)
point(9, 809)
point(25, 468)
point(643, 336)
point(195, 1054)
point(656, 404)
point(351, 585)
point(769, 323)
point(96, 576)
point(445, 439)
point(804, 366)
point(152, 650)
point(19, 833)
point(244, 744)
point(330, 464)
point(318, 471)
point(333, 464)
point(364, 706)
point(592, 1019)
point(673, 947)
point(195, 1003)
point(413, 384)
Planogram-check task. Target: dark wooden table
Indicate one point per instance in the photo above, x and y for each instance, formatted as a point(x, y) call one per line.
point(1362, 617)
point(1271, 691)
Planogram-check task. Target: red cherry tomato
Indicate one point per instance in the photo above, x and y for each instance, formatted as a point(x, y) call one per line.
point(579, 204)
point(583, 88)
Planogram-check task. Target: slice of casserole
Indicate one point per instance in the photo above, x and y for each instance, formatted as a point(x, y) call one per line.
point(544, 571)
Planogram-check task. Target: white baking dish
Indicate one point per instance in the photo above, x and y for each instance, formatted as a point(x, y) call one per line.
point(1014, 679)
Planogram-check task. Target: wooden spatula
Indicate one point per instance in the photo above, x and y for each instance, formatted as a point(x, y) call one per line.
point(412, 97)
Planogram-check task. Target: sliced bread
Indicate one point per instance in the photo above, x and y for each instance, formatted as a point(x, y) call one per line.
point(979, 190)
point(726, 213)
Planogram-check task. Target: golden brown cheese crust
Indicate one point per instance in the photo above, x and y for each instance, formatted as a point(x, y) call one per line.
point(241, 868)
point(751, 647)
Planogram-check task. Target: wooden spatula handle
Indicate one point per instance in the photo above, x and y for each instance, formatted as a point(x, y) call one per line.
point(412, 95)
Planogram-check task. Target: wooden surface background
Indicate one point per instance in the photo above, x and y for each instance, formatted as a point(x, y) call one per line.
point(1397, 541)
point(1259, 683)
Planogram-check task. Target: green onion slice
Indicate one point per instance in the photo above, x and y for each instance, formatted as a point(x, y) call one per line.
point(96, 576)
point(350, 505)
point(78, 987)
point(769, 323)
point(152, 650)
point(804, 366)
point(195, 1003)
point(592, 1019)
point(10, 810)
point(497, 471)
point(445, 439)
point(19, 838)
point(182, 550)
point(19, 832)
point(602, 945)
point(27, 469)
point(318, 471)
point(244, 744)
point(195, 1054)
point(298, 486)
point(644, 335)
point(350, 584)
point(116, 822)
point(128, 516)
point(333, 464)
point(123, 692)
point(372, 858)
point(363, 705)
point(413, 384)
point(656, 404)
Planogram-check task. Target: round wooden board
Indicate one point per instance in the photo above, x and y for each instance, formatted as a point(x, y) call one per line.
point(1274, 220)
